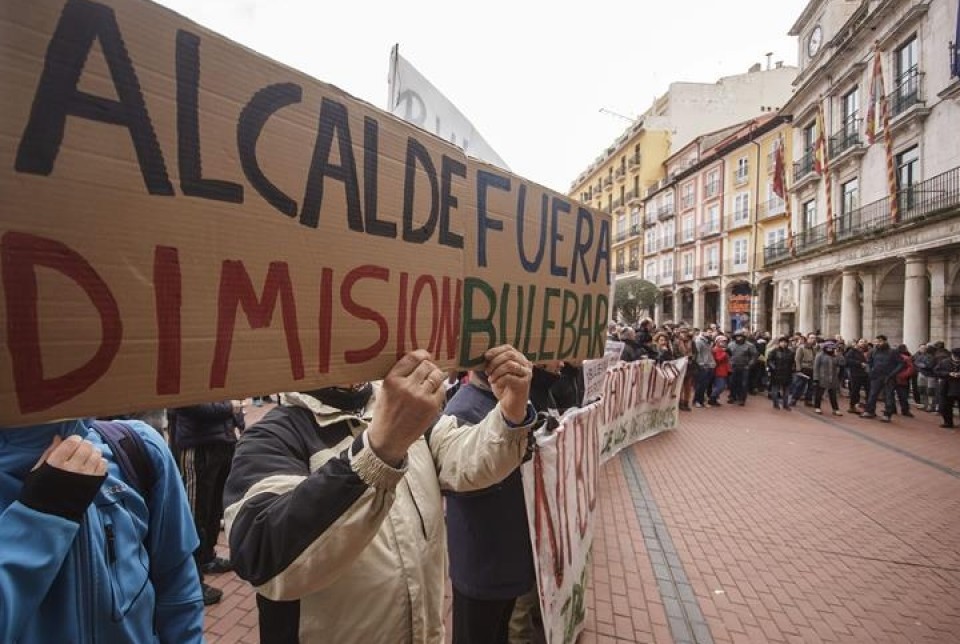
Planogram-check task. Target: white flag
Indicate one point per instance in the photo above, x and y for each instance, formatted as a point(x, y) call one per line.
point(414, 99)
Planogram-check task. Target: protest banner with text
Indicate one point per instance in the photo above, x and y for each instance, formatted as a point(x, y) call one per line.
point(184, 220)
point(560, 482)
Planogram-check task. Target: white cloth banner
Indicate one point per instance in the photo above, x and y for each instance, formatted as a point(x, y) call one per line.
point(415, 99)
point(560, 481)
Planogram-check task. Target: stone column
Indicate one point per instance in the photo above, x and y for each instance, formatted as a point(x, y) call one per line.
point(938, 304)
point(698, 306)
point(723, 309)
point(850, 314)
point(868, 323)
point(916, 323)
point(805, 316)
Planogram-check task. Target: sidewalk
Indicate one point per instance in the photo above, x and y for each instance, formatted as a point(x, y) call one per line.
point(754, 525)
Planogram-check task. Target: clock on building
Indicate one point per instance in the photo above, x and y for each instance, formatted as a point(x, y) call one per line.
point(814, 40)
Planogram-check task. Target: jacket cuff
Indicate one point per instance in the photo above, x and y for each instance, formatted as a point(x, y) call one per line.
point(371, 469)
point(51, 490)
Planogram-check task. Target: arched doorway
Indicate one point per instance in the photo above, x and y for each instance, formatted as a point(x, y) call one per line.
point(666, 307)
point(685, 297)
point(711, 304)
point(888, 304)
point(764, 315)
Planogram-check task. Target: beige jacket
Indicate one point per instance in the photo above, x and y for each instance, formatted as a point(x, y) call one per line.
point(378, 572)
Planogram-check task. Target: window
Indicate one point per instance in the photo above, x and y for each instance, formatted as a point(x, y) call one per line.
point(668, 200)
point(775, 204)
point(650, 243)
point(636, 186)
point(740, 252)
point(711, 257)
point(650, 271)
point(777, 238)
point(743, 168)
point(621, 225)
point(711, 220)
point(634, 257)
point(667, 266)
point(741, 208)
point(620, 264)
point(623, 195)
point(850, 195)
point(713, 183)
point(908, 173)
point(609, 204)
point(908, 77)
point(634, 218)
point(906, 59)
point(688, 228)
point(669, 232)
point(809, 215)
point(689, 195)
point(850, 108)
point(688, 265)
point(809, 138)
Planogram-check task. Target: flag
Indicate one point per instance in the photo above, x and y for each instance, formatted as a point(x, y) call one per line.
point(820, 145)
point(780, 187)
point(416, 100)
point(876, 95)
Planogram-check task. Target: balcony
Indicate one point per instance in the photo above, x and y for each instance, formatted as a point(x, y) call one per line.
point(634, 229)
point(848, 138)
point(771, 161)
point(665, 211)
point(935, 196)
point(687, 202)
point(773, 208)
point(804, 166)
point(608, 184)
point(620, 174)
point(665, 278)
point(711, 190)
point(620, 237)
point(633, 198)
point(740, 177)
point(907, 95)
point(710, 228)
point(776, 252)
point(739, 219)
point(634, 265)
point(667, 241)
point(710, 269)
point(734, 267)
point(633, 162)
point(627, 198)
point(684, 275)
point(650, 219)
point(620, 269)
point(686, 236)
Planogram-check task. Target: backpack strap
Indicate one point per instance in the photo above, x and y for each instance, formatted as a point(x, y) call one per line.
point(131, 454)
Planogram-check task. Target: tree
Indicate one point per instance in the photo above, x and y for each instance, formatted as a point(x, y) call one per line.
point(633, 295)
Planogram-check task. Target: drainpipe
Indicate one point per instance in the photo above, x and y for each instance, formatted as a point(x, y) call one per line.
point(754, 291)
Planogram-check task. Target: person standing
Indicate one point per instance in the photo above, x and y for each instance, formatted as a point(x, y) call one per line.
point(948, 371)
point(903, 381)
point(803, 374)
point(683, 348)
point(826, 377)
point(721, 370)
point(855, 360)
point(780, 365)
point(206, 436)
point(743, 356)
point(334, 508)
point(88, 552)
point(883, 365)
point(706, 364)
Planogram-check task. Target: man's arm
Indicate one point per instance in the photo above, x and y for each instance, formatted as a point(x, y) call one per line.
point(293, 532)
point(172, 538)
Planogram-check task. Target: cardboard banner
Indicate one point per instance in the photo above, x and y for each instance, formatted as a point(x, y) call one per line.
point(184, 220)
point(560, 481)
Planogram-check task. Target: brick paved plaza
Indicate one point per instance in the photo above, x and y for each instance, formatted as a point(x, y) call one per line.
point(751, 525)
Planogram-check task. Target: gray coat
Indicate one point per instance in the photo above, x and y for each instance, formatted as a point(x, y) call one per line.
point(826, 370)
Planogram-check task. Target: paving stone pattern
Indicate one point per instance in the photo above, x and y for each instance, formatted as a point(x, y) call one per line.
point(752, 525)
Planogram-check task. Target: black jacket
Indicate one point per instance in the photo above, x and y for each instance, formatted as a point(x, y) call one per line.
point(949, 386)
point(856, 363)
point(884, 363)
point(780, 365)
point(205, 424)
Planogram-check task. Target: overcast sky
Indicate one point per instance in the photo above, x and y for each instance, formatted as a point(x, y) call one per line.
point(532, 76)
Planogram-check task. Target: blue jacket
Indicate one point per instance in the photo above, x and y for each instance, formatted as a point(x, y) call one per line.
point(488, 537)
point(124, 573)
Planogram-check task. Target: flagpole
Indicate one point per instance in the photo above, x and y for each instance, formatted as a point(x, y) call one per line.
point(392, 77)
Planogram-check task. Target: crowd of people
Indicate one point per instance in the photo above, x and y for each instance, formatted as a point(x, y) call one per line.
point(342, 504)
point(801, 368)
